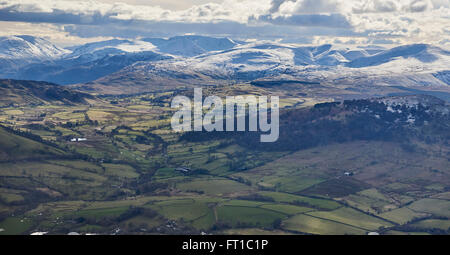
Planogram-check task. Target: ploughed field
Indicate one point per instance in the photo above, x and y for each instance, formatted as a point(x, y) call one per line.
point(338, 168)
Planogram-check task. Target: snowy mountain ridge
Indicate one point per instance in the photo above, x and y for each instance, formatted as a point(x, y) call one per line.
point(29, 47)
point(27, 57)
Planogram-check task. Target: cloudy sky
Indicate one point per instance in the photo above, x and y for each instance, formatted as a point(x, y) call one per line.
point(68, 22)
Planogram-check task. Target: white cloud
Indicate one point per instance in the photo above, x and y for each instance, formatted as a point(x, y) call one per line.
point(375, 6)
point(417, 6)
point(397, 21)
point(54, 33)
point(309, 6)
point(231, 10)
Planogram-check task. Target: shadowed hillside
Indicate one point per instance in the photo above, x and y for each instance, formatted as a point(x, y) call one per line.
point(14, 147)
point(16, 92)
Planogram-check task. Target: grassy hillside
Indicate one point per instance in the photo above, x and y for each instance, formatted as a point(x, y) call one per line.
point(16, 92)
point(338, 168)
point(15, 147)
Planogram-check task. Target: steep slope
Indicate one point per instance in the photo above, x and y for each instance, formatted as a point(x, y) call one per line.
point(19, 51)
point(411, 65)
point(444, 76)
point(74, 65)
point(16, 147)
point(84, 68)
point(393, 119)
point(97, 50)
point(29, 48)
point(183, 60)
point(16, 92)
point(422, 52)
point(191, 45)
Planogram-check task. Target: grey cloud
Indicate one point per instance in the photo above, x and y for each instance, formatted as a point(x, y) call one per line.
point(382, 6)
point(318, 6)
point(283, 19)
point(381, 41)
point(275, 5)
point(97, 23)
point(416, 6)
point(221, 29)
point(307, 6)
point(57, 17)
point(309, 20)
point(133, 29)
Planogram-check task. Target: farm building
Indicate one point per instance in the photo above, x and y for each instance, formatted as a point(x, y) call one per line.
point(78, 139)
point(184, 170)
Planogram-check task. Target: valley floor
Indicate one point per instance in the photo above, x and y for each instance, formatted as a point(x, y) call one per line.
point(121, 177)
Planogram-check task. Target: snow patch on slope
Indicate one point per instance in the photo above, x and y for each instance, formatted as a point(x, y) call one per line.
point(29, 48)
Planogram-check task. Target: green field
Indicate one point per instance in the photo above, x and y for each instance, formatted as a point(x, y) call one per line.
point(185, 209)
point(352, 217)
point(123, 176)
point(311, 225)
point(15, 147)
point(15, 226)
point(433, 206)
point(216, 187)
point(286, 209)
point(401, 215)
point(122, 171)
point(319, 203)
point(240, 216)
point(101, 213)
point(432, 224)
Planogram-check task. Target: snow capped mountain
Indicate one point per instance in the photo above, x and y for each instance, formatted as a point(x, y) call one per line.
point(84, 68)
point(16, 52)
point(444, 76)
point(421, 52)
point(33, 58)
point(73, 65)
point(262, 60)
point(192, 58)
point(97, 50)
point(191, 45)
point(28, 48)
point(355, 69)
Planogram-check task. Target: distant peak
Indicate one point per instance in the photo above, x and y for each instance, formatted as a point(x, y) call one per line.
point(28, 47)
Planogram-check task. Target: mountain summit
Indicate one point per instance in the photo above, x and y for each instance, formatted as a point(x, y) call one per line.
point(28, 47)
point(193, 58)
point(191, 45)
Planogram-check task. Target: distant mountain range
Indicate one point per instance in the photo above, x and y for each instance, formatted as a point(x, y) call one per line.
point(204, 60)
point(33, 58)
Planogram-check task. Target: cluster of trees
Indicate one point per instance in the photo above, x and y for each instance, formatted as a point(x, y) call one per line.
point(28, 135)
point(47, 128)
point(108, 221)
point(358, 120)
point(150, 187)
point(148, 138)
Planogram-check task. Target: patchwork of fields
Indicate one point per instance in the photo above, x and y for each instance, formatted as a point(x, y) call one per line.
point(122, 177)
